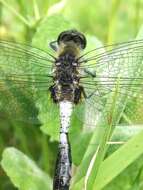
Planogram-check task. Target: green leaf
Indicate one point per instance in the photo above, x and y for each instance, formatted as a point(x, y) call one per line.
point(118, 161)
point(23, 172)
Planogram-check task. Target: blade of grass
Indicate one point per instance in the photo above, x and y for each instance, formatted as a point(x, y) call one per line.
point(115, 164)
point(90, 168)
point(105, 138)
point(118, 161)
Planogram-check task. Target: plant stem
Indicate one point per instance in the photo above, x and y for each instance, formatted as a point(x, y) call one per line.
point(22, 18)
point(112, 20)
point(36, 10)
point(137, 15)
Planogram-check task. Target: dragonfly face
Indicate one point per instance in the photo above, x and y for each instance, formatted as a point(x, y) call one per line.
point(66, 76)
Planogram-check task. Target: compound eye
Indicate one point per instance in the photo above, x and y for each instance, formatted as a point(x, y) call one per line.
point(64, 37)
point(77, 40)
point(81, 41)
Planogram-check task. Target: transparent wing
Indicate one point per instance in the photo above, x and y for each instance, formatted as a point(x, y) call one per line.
point(24, 71)
point(98, 54)
point(113, 84)
point(112, 78)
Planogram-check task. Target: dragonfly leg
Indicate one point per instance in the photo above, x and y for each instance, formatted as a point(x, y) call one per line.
point(54, 45)
point(53, 93)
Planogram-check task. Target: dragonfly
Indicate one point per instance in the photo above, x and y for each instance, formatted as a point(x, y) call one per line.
point(85, 84)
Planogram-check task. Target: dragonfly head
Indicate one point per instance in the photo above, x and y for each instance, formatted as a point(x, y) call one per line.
point(69, 42)
point(72, 37)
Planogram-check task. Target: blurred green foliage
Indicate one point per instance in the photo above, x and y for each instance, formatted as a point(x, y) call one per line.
point(110, 21)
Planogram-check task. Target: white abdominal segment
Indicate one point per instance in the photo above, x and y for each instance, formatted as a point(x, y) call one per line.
point(65, 115)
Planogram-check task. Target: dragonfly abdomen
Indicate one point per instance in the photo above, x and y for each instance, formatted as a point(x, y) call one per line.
point(64, 160)
point(63, 166)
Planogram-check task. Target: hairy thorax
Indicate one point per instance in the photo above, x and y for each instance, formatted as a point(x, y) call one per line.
point(66, 78)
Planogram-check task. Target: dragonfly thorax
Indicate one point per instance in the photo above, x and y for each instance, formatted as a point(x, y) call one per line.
point(66, 80)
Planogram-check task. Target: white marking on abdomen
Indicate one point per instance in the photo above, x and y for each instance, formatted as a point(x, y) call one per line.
point(65, 116)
